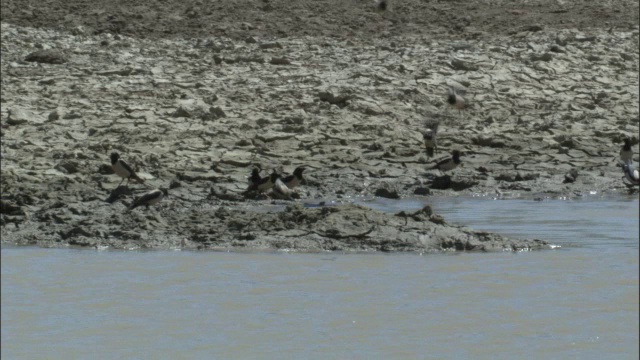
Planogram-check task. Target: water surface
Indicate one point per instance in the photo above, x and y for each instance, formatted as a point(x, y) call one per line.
point(578, 301)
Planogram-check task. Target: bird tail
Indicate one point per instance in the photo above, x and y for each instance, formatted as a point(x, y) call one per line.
point(138, 178)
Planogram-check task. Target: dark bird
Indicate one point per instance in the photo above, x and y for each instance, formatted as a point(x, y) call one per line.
point(632, 175)
point(150, 198)
point(381, 5)
point(626, 154)
point(265, 183)
point(455, 100)
point(291, 181)
point(429, 137)
point(122, 169)
point(448, 163)
point(255, 177)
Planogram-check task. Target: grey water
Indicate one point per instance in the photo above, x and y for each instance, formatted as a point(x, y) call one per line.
point(579, 300)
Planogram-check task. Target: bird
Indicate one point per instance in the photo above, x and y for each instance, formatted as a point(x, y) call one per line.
point(626, 154)
point(631, 174)
point(150, 198)
point(255, 177)
point(265, 183)
point(455, 100)
point(291, 181)
point(429, 137)
point(122, 169)
point(448, 163)
point(280, 190)
point(381, 5)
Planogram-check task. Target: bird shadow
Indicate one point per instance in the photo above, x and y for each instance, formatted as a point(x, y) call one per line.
point(117, 193)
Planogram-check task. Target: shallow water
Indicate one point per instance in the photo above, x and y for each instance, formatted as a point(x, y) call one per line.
point(578, 301)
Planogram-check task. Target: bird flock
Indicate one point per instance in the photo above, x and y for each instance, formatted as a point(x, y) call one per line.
point(282, 187)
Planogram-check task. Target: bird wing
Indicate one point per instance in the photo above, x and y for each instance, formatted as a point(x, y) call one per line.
point(127, 167)
point(288, 178)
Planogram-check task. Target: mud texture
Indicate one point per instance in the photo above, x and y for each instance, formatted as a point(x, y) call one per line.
point(194, 94)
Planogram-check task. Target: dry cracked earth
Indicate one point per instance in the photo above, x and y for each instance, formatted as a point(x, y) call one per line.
point(194, 95)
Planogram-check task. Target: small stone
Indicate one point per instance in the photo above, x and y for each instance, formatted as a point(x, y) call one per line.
point(280, 61)
point(543, 57)
point(20, 116)
point(50, 56)
point(181, 112)
point(386, 193)
point(535, 28)
point(217, 112)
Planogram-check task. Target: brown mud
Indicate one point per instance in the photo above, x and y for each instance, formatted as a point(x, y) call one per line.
point(194, 94)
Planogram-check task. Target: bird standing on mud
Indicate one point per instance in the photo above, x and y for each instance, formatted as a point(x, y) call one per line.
point(429, 137)
point(122, 169)
point(264, 184)
point(455, 100)
point(295, 179)
point(626, 154)
point(281, 191)
point(448, 163)
point(632, 175)
point(255, 177)
point(150, 198)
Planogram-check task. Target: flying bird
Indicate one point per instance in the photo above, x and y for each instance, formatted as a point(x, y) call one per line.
point(293, 180)
point(632, 175)
point(122, 169)
point(626, 154)
point(381, 5)
point(429, 137)
point(448, 163)
point(150, 198)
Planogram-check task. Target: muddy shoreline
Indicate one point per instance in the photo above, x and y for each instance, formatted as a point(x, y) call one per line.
point(194, 111)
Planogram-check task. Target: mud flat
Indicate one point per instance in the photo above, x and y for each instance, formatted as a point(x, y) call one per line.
point(195, 108)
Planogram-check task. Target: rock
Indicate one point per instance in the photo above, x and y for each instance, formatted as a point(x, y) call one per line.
point(216, 112)
point(18, 116)
point(386, 193)
point(271, 45)
point(420, 190)
point(54, 115)
point(68, 166)
point(459, 64)
point(279, 61)
point(181, 112)
point(542, 57)
point(50, 56)
point(340, 100)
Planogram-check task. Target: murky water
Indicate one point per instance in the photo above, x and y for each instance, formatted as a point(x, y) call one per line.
point(579, 301)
